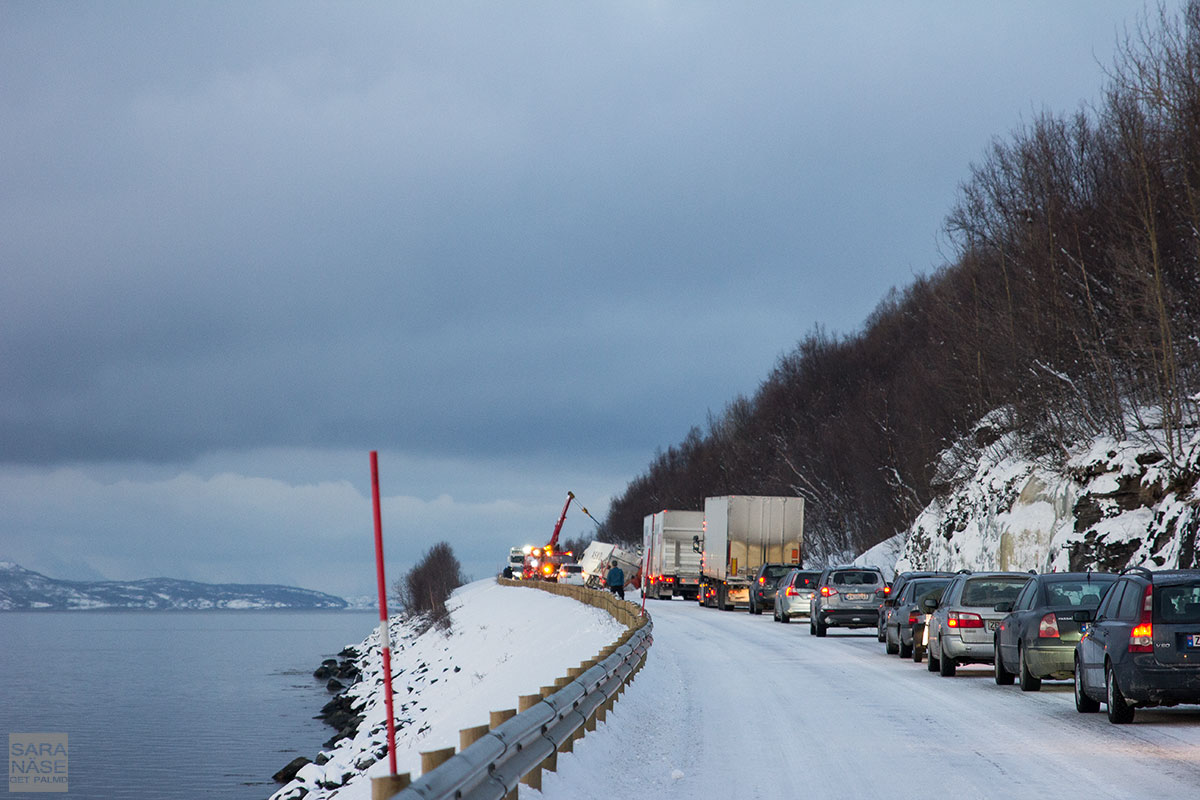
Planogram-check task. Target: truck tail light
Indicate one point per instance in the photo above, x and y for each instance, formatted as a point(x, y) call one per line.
point(964, 619)
point(1048, 627)
point(1141, 638)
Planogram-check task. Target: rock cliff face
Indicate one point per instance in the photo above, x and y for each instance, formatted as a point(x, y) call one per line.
point(1111, 505)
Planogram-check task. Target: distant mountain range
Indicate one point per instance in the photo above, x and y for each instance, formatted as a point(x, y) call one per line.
point(24, 590)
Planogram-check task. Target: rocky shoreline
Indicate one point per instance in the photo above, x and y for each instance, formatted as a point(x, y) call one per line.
point(340, 713)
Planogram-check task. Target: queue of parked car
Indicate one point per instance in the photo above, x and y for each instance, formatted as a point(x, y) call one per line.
point(1127, 641)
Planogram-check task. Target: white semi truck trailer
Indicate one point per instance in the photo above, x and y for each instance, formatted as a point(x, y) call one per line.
point(741, 533)
point(672, 565)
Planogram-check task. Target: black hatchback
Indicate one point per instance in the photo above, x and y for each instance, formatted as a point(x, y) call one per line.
point(1142, 645)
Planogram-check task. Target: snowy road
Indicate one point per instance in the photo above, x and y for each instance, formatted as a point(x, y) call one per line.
point(741, 706)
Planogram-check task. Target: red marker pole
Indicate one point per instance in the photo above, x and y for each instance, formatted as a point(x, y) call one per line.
point(645, 572)
point(384, 636)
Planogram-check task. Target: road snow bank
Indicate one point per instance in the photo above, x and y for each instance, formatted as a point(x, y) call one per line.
point(502, 643)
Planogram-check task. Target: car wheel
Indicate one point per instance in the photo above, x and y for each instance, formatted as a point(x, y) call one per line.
point(918, 654)
point(784, 619)
point(1084, 704)
point(1028, 682)
point(889, 647)
point(946, 665)
point(1119, 710)
point(821, 628)
point(906, 650)
point(1003, 677)
point(812, 627)
point(932, 666)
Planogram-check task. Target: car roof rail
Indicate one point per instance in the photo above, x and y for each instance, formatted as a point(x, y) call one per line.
point(963, 572)
point(1147, 574)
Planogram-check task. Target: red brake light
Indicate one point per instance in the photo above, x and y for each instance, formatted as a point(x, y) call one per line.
point(887, 589)
point(913, 618)
point(1141, 638)
point(964, 619)
point(1048, 627)
point(827, 591)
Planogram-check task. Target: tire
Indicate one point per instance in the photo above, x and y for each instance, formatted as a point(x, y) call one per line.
point(1083, 703)
point(812, 627)
point(721, 604)
point(906, 650)
point(918, 654)
point(1003, 677)
point(946, 665)
point(888, 646)
point(1028, 682)
point(821, 628)
point(933, 664)
point(1119, 710)
point(750, 609)
point(784, 619)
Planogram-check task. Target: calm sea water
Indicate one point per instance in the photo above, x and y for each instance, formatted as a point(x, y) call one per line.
point(171, 705)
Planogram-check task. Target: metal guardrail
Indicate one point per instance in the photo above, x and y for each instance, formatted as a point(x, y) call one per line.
point(492, 767)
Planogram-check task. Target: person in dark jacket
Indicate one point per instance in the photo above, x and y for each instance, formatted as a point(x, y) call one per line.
point(616, 580)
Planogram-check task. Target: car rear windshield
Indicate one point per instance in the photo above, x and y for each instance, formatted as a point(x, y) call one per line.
point(930, 592)
point(1179, 603)
point(1078, 594)
point(856, 577)
point(572, 568)
point(990, 591)
point(805, 580)
point(775, 573)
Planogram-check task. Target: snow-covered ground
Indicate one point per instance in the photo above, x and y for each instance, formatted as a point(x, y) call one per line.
point(503, 642)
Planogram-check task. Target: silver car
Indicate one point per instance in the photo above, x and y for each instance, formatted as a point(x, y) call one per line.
point(793, 594)
point(962, 626)
point(845, 597)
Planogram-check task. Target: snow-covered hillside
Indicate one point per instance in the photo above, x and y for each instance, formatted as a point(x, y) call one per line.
point(1110, 505)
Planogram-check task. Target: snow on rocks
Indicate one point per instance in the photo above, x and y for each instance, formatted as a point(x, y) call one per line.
point(1111, 504)
point(502, 642)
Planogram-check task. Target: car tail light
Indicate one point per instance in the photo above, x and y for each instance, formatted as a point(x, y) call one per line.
point(913, 618)
point(762, 580)
point(1048, 627)
point(1141, 638)
point(828, 591)
point(964, 619)
point(790, 592)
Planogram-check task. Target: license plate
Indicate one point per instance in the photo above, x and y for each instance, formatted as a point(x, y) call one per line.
point(1193, 640)
point(857, 596)
point(993, 624)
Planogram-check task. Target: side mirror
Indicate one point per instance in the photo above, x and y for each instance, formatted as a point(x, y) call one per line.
point(696, 547)
point(1086, 615)
point(881, 594)
point(930, 604)
point(1004, 607)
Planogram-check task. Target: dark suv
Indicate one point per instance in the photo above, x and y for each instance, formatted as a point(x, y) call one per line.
point(845, 597)
point(1142, 644)
point(762, 588)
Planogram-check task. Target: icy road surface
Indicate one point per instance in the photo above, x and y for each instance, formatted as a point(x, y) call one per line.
point(733, 705)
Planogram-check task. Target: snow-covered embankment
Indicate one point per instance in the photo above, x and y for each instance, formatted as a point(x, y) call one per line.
point(502, 643)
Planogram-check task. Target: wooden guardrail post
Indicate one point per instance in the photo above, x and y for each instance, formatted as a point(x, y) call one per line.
point(498, 718)
point(469, 736)
point(432, 759)
point(386, 786)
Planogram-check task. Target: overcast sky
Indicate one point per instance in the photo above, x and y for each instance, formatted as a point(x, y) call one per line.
point(515, 247)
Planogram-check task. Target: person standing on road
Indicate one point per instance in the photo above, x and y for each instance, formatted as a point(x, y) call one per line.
point(616, 581)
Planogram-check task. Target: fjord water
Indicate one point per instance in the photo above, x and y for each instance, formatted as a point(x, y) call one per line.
point(172, 705)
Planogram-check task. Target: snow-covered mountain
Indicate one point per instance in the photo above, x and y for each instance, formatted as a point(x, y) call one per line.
point(22, 589)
